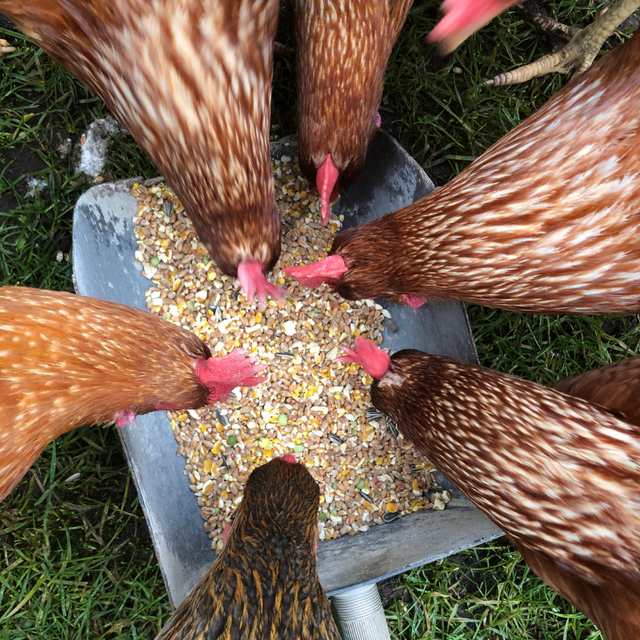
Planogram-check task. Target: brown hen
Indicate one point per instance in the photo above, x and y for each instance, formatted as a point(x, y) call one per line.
point(342, 52)
point(560, 476)
point(67, 360)
point(616, 387)
point(191, 81)
point(545, 221)
point(264, 584)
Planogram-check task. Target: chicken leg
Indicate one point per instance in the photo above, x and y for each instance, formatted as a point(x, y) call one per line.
point(578, 54)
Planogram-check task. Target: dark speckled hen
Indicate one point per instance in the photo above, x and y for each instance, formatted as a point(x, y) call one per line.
point(191, 81)
point(67, 360)
point(559, 475)
point(546, 221)
point(342, 52)
point(264, 584)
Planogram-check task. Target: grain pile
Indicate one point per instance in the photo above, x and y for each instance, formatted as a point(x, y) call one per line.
point(312, 406)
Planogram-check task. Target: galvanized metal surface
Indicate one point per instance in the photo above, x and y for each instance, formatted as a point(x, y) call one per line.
point(360, 614)
point(105, 267)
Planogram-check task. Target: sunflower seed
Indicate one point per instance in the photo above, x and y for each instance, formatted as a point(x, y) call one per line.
point(366, 496)
point(284, 354)
point(390, 517)
point(391, 425)
point(168, 208)
point(224, 421)
point(335, 439)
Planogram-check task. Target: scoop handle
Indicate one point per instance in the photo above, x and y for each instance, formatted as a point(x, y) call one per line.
point(360, 614)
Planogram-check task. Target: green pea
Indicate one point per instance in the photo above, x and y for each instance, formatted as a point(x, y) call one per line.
point(155, 261)
point(205, 260)
point(231, 440)
point(361, 485)
point(192, 305)
point(282, 419)
point(299, 448)
point(322, 517)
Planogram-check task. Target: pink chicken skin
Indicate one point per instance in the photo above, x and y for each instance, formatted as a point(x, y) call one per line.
point(463, 18)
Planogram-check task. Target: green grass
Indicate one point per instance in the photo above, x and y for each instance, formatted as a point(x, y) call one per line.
point(76, 557)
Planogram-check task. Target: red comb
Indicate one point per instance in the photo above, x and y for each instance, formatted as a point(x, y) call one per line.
point(329, 270)
point(326, 179)
point(369, 356)
point(221, 375)
point(413, 301)
point(226, 531)
point(287, 457)
point(252, 281)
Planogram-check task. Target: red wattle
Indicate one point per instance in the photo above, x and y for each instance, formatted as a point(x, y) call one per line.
point(326, 179)
point(226, 531)
point(369, 356)
point(287, 457)
point(252, 280)
point(413, 301)
point(378, 120)
point(330, 269)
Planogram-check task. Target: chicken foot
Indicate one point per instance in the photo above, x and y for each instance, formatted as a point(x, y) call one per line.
point(578, 54)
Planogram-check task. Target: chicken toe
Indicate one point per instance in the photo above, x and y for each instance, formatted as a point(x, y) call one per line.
point(578, 54)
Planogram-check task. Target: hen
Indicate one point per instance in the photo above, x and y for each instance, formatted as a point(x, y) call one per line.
point(464, 17)
point(191, 81)
point(615, 387)
point(544, 222)
point(560, 476)
point(264, 583)
point(342, 52)
point(67, 360)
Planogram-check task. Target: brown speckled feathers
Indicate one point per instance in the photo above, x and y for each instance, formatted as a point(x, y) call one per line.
point(342, 52)
point(264, 583)
point(546, 221)
point(615, 387)
point(191, 80)
point(66, 360)
point(560, 476)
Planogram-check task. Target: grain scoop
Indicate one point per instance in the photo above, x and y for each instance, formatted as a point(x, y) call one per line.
point(105, 267)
